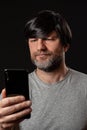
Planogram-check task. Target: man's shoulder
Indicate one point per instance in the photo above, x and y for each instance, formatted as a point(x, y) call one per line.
point(31, 74)
point(78, 73)
point(79, 76)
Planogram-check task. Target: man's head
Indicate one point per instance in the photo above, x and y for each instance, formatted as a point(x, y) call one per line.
point(49, 36)
point(46, 22)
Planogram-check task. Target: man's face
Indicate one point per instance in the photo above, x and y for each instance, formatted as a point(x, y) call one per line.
point(48, 53)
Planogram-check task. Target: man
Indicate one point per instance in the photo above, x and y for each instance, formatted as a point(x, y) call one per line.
point(58, 93)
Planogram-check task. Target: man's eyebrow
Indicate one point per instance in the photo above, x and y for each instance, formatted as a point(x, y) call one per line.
point(50, 37)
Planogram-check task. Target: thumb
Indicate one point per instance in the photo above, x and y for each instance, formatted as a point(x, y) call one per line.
point(3, 93)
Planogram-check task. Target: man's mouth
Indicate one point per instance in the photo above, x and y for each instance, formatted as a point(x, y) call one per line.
point(42, 56)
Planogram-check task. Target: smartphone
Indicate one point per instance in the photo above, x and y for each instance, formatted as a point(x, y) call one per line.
point(16, 83)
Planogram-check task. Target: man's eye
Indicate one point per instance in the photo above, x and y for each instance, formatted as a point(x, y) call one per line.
point(50, 39)
point(33, 40)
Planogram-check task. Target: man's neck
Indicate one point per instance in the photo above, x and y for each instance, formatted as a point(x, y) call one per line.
point(54, 76)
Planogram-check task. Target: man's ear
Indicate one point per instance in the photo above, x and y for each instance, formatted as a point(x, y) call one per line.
point(66, 47)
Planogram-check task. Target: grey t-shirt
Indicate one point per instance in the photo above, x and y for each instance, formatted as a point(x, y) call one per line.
point(58, 106)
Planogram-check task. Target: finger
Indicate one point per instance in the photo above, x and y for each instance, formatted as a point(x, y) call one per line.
point(6, 126)
point(14, 108)
point(11, 124)
point(11, 100)
point(16, 116)
point(3, 93)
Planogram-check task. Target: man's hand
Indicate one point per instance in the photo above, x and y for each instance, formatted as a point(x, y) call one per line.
point(12, 110)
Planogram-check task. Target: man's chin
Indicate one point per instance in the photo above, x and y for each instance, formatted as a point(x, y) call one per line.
point(41, 65)
point(41, 62)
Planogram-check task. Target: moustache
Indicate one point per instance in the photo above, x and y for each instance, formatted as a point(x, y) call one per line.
point(42, 53)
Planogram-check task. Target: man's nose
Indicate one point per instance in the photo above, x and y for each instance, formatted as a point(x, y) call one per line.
point(41, 44)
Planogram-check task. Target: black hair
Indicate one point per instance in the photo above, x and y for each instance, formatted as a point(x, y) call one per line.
point(45, 23)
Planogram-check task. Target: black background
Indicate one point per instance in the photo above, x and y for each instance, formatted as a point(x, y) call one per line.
point(14, 15)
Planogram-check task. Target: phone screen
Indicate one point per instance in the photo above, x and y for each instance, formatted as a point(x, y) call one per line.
point(16, 82)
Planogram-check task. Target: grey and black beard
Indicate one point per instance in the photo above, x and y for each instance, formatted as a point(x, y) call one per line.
point(52, 65)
